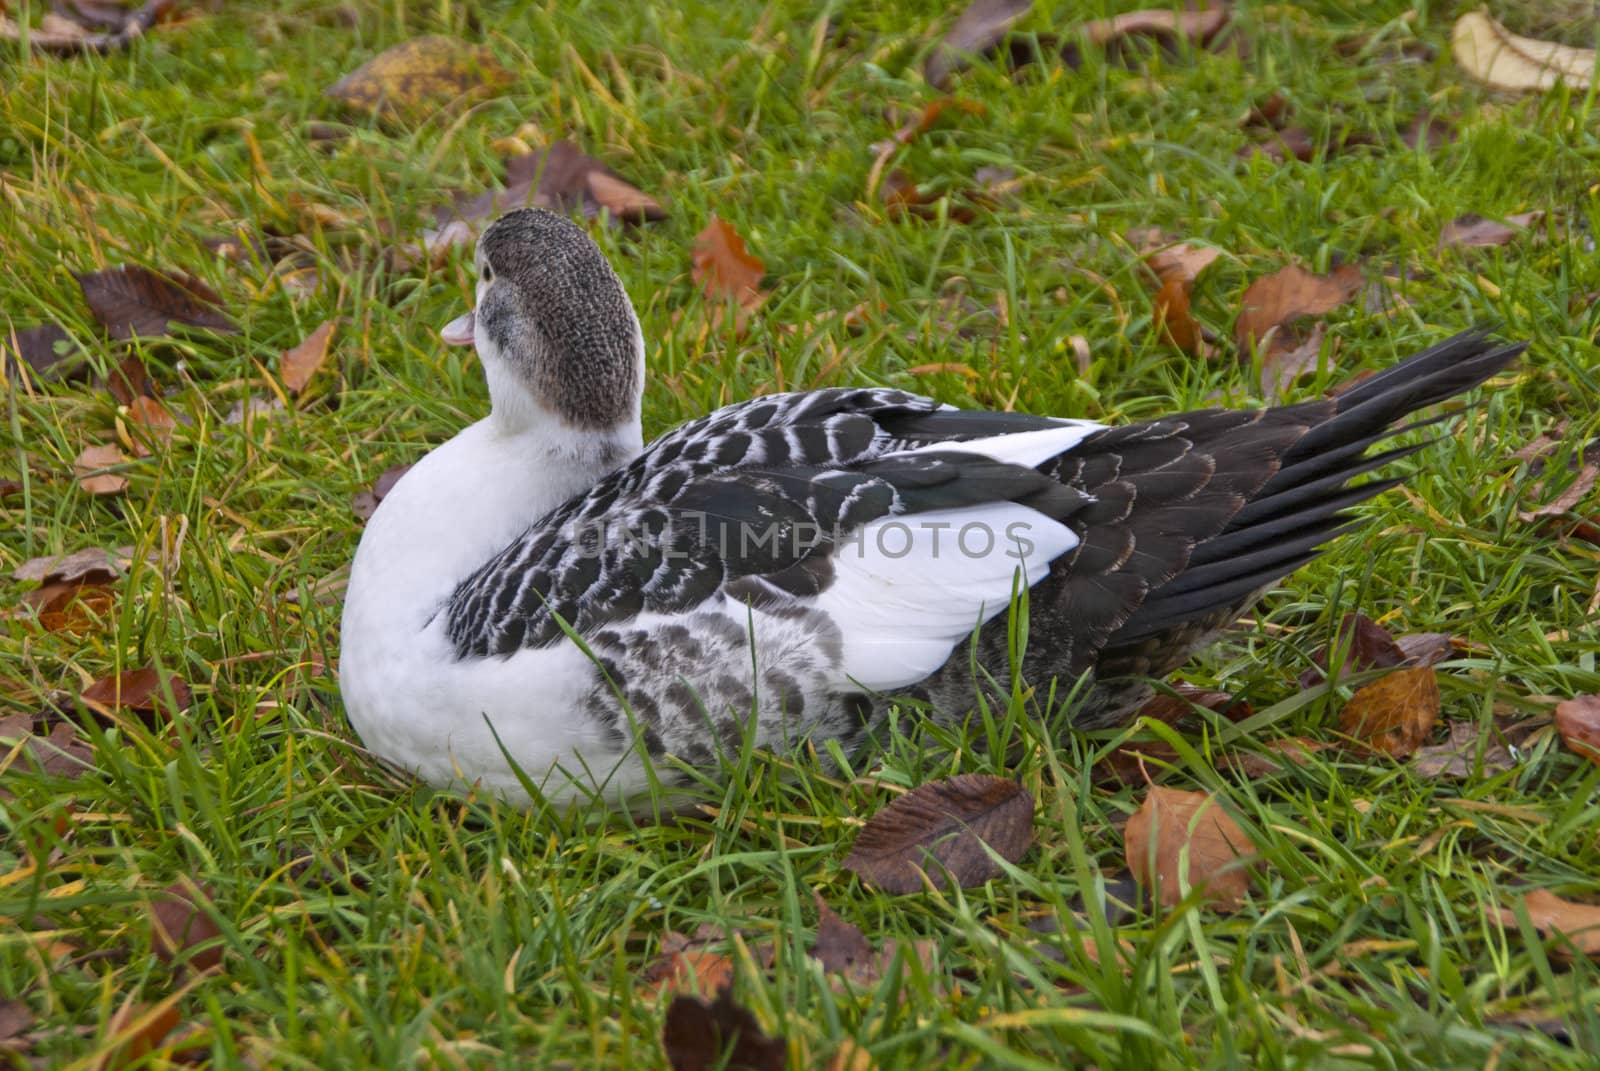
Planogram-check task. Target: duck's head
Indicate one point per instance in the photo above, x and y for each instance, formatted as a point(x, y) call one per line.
point(553, 326)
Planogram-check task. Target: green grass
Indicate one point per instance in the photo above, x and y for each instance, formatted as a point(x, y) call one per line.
point(431, 931)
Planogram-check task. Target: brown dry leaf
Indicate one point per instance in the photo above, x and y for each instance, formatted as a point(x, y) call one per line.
point(1171, 709)
point(698, 1036)
point(1553, 916)
point(139, 690)
point(1500, 59)
point(299, 364)
point(1575, 492)
point(1284, 144)
point(365, 503)
point(136, 1030)
point(1363, 643)
point(42, 348)
point(90, 469)
point(1578, 722)
point(943, 826)
point(930, 114)
point(1283, 365)
point(1395, 713)
point(10, 488)
point(62, 753)
point(15, 1017)
point(65, 37)
point(1274, 756)
point(130, 380)
point(132, 300)
point(1273, 302)
point(1176, 267)
point(416, 78)
point(1174, 823)
point(1473, 230)
point(1458, 756)
point(982, 26)
point(180, 922)
point(1424, 648)
point(1428, 133)
point(92, 565)
point(1200, 26)
point(67, 606)
point(726, 271)
point(152, 425)
point(687, 963)
point(841, 947)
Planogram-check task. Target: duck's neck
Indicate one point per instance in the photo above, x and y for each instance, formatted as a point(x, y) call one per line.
point(465, 501)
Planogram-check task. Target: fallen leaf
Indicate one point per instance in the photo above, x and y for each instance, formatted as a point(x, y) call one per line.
point(1273, 302)
point(132, 300)
point(67, 606)
point(15, 1017)
point(416, 78)
point(1361, 644)
point(982, 26)
point(1395, 713)
point(62, 753)
point(1473, 230)
point(1500, 59)
point(1200, 26)
point(840, 946)
point(180, 922)
point(1458, 756)
point(1428, 133)
point(139, 690)
point(1171, 709)
point(130, 380)
point(136, 1030)
point(42, 348)
point(246, 411)
point(90, 469)
point(1424, 648)
point(365, 503)
point(154, 423)
point(300, 363)
point(1283, 365)
point(699, 1037)
point(1575, 492)
point(687, 963)
point(929, 115)
point(10, 488)
point(1184, 840)
point(1274, 756)
point(943, 826)
point(1552, 916)
point(64, 37)
point(1176, 266)
point(725, 270)
point(1578, 722)
point(92, 565)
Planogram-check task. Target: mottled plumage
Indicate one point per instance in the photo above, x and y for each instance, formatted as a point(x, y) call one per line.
point(783, 569)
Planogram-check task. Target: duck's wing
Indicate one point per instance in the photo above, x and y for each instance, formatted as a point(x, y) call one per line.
point(787, 501)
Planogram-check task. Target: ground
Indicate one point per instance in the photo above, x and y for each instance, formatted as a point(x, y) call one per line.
point(364, 921)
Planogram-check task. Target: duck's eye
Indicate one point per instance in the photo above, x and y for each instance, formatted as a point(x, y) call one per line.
point(487, 275)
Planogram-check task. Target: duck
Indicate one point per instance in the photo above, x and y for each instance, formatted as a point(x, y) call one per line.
point(543, 608)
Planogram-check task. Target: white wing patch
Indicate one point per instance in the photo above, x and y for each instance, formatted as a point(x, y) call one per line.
point(1027, 448)
point(909, 588)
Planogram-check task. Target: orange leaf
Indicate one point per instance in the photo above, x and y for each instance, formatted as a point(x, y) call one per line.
point(299, 364)
point(724, 269)
point(1395, 713)
point(154, 422)
point(1276, 300)
point(687, 963)
point(1174, 827)
point(1551, 915)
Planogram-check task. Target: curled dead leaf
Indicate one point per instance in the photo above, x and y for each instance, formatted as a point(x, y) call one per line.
point(1182, 840)
point(1501, 59)
point(943, 826)
point(1395, 713)
point(980, 27)
point(1578, 722)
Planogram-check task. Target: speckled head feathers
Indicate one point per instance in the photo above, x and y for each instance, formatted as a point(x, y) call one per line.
point(557, 319)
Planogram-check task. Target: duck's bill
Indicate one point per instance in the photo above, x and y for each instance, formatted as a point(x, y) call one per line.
point(458, 332)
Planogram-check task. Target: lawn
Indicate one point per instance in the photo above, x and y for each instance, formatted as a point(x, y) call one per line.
point(362, 920)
